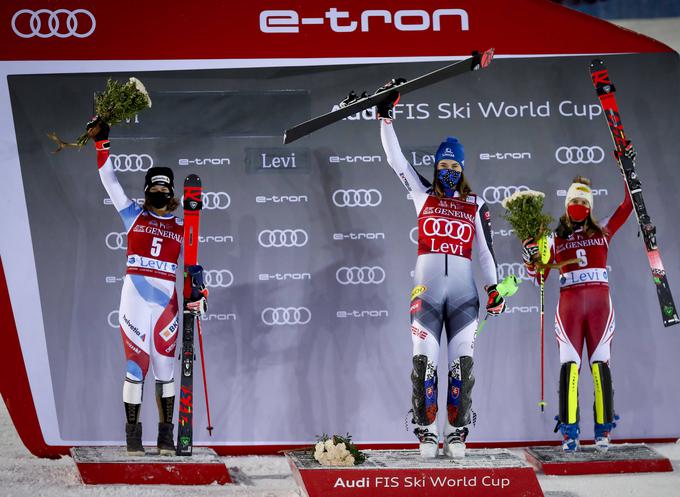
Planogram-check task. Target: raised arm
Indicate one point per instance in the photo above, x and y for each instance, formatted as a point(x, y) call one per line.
point(395, 157)
point(127, 209)
point(612, 224)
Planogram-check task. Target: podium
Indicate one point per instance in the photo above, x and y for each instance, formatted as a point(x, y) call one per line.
point(620, 458)
point(108, 465)
point(403, 473)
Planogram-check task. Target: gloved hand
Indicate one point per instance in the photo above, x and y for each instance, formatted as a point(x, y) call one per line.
point(197, 303)
point(496, 303)
point(200, 306)
point(385, 109)
point(98, 130)
point(529, 251)
point(629, 152)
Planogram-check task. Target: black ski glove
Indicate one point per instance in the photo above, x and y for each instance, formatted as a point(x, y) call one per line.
point(98, 129)
point(385, 109)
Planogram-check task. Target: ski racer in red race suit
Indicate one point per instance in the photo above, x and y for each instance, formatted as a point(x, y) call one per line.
point(584, 312)
point(451, 220)
point(148, 313)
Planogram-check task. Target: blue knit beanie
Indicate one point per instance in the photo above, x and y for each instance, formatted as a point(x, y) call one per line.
point(450, 149)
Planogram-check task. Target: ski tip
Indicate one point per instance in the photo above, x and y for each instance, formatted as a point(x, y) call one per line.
point(482, 60)
point(287, 138)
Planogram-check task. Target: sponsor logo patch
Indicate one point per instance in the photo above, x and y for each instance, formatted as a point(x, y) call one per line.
point(418, 291)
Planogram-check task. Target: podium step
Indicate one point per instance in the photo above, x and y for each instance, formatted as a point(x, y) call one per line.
point(109, 465)
point(403, 473)
point(620, 458)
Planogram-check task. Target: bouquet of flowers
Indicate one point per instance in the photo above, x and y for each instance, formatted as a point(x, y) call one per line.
point(118, 102)
point(525, 214)
point(337, 451)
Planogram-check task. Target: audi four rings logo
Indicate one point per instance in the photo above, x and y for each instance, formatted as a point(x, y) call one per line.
point(283, 238)
point(579, 155)
point(214, 200)
point(360, 275)
point(357, 198)
point(496, 194)
point(113, 319)
point(519, 270)
point(449, 228)
point(279, 316)
point(131, 162)
point(413, 235)
point(116, 241)
point(218, 278)
point(62, 23)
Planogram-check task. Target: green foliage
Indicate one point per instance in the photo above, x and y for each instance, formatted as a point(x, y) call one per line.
point(525, 215)
point(118, 102)
point(359, 457)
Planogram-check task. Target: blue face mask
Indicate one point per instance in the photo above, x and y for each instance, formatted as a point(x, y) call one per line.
point(448, 179)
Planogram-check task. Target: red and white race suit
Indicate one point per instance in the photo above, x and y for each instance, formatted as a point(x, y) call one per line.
point(584, 311)
point(148, 314)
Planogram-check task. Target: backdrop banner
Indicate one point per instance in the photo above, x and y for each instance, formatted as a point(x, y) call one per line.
point(309, 248)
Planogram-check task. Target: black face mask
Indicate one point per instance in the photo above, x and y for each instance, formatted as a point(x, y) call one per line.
point(158, 199)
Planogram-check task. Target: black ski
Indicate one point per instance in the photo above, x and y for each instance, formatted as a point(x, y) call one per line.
point(192, 210)
point(605, 92)
point(354, 104)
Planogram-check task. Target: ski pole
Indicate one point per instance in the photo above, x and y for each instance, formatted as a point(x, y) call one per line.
point(542, 284)
point(205, 382)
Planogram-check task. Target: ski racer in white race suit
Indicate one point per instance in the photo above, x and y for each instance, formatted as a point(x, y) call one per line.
point(148, 314)
point(584, 313)
point(451, 219)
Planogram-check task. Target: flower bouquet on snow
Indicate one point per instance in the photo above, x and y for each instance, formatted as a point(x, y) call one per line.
point(118, 102)
point(337, 451)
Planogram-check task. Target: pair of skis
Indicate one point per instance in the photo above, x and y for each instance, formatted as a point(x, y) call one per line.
point(605, 91)
point(353, 104)
point(193, 203)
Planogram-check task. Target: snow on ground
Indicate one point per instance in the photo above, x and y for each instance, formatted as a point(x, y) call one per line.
point(23, 475)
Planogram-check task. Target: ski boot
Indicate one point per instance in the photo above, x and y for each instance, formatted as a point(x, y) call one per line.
point(429, 440)
point(133, 439)
point(454, 441)
point(570, 433)
point(166, 445)
point(602, 434)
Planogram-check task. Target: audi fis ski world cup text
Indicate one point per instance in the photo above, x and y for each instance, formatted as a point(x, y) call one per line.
point(339, 21)
point(487, 110)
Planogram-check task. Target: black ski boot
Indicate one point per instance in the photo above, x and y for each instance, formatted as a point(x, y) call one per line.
point(166, 445)
point(133, 439)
